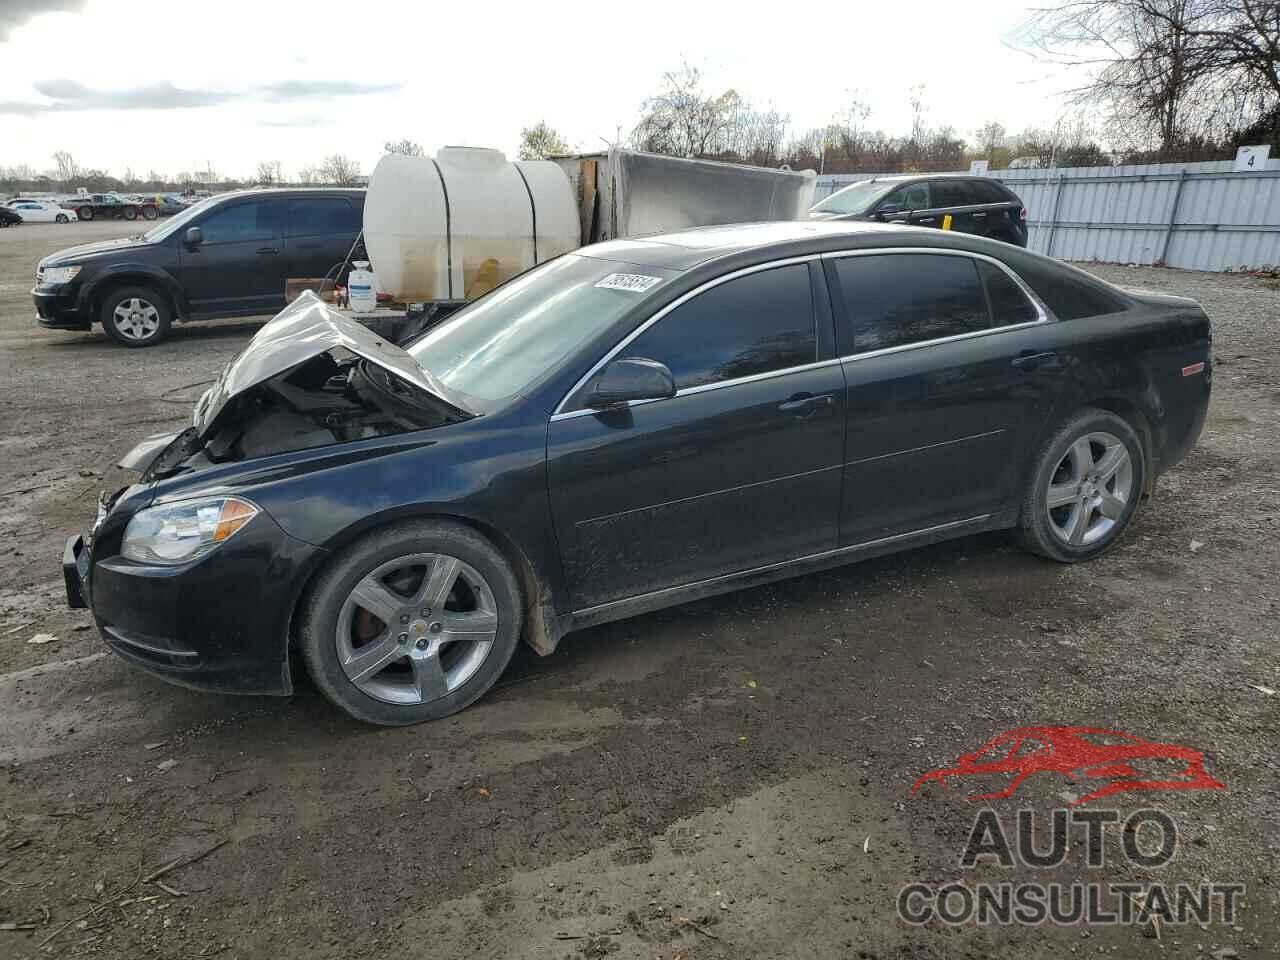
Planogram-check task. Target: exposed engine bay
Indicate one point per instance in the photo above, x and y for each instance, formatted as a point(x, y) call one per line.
point(335, 397)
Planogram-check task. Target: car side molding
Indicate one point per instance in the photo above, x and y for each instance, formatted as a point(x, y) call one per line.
point(727, 583)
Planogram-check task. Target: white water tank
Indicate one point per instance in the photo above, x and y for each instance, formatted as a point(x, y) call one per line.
point(456, 226)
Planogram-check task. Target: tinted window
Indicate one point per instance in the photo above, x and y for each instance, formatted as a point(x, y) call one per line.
point(984, 191)
point(753, 324)
point(950, 193)
point(1009, 304)
point(322, 215)
point(1067, 295)
point(901, 298)
point(244, 221)
point(914, 196)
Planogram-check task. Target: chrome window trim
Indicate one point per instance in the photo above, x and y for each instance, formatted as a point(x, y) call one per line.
point(561, 414)
point(1042, 313)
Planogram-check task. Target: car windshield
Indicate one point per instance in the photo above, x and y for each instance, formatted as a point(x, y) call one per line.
point(177, 221)
point(856, 198)
point(506, 340)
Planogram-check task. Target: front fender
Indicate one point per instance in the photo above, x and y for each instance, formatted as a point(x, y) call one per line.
point(140, 273)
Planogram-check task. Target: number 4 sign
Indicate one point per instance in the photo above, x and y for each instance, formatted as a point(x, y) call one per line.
point(1250, 159)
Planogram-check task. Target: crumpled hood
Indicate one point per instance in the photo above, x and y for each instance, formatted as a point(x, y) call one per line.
point(307, 328)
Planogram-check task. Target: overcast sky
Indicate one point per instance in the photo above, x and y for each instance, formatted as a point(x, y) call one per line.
point(171, 85)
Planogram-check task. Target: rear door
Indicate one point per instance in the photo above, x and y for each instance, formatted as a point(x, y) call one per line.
point(995, 213)
point(319, 233)
point(947, 209)
point(740, 469)
point(949, 381)
point(239, 269)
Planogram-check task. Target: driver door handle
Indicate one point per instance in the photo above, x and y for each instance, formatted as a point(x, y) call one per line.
point(927, 220)
point(268, 249)
point(1030, 361)
point(804, 405)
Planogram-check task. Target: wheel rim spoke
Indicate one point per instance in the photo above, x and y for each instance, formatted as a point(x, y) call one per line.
point(373, 596)
point(1079, 524)
point(372, 658)
point(1081, 458)
point(1111, 506)
point(429, 678)
point(476, 624)
point(438, 582)
point(1061, 494)
point(1111, 461)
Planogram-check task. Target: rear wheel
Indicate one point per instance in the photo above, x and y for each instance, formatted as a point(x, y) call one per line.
point(412, 623)
point(84, 213)
point(1088, 479)
point(150, 213)
point(136, 316)
point(130, 213)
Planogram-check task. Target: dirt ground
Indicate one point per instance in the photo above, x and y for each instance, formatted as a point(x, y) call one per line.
point(728, 779)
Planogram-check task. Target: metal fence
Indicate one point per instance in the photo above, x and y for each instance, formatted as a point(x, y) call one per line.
point(1195, 216)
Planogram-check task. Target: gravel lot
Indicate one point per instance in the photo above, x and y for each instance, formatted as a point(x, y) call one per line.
point(727, 779)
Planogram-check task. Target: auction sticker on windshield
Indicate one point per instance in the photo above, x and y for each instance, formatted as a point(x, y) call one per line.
point(633, 282)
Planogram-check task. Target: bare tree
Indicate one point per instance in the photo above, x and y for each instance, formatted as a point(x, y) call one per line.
point(67, 169)
point(682, 120)
point(270, 172)
point(308, 176)
point(541, 141)
point(990, 137)
point(407, 148)
point(339, 170)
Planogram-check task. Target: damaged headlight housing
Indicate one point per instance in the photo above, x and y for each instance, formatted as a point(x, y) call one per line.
point(178, 532)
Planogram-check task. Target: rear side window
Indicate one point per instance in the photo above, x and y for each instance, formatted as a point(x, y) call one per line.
point(243, 221)
point(752, 324)
point(1009, 305)
point(897, 299)
point(984, 191)
point(950, 193)
point(1068, 296)
point(323, 215)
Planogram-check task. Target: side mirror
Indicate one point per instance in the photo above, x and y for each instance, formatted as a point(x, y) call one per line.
point(631, 378)
point(195, 236)
point(888, 209)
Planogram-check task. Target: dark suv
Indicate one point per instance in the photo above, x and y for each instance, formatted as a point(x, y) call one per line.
point(228, 256)
point(975, 205)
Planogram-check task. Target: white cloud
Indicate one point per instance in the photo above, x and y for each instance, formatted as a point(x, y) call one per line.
point(240, 81)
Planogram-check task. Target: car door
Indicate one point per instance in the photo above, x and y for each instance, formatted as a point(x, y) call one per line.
point(951, 373)
point(740, 469)
point(239, 268)
point(947, 209)
point(319, 233)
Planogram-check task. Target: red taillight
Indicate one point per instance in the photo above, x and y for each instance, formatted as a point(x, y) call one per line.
point(1192, 369)
point(1022, 214)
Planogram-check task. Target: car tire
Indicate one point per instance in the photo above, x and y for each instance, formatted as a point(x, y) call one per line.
point(421, 659)
point(150, 213)
point(136, 316)
point(130, 213)
point(85, 213)
point(62, 218)
point(1085, 486)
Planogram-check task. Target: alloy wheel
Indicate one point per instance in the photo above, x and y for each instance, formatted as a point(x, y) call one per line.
point(416, 628)
point(136, 318)
point(1090, 489)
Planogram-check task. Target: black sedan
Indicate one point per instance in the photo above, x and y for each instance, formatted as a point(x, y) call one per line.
point(627, 427)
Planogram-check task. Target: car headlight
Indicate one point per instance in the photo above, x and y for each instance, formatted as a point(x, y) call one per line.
point(178, 532)
point(53, 275)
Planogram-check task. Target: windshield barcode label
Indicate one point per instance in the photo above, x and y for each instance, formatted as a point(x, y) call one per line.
point(634, 282)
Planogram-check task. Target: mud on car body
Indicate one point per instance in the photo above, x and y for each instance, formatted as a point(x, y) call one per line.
point(583, 443)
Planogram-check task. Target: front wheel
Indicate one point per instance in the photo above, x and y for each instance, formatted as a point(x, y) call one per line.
point(1088, 479)
point(62, 218)
point(411, 623)
point(136, 316)
point(130, 213)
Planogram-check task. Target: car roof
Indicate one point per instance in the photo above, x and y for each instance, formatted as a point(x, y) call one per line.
point(355, 193)
point(686, 249)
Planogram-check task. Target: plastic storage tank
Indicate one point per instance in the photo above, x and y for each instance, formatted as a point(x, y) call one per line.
point(454, 227)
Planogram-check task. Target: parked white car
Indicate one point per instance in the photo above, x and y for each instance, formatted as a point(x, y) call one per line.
point(36, 211)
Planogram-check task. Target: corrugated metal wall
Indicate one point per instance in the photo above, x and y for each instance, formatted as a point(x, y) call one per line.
point(1196, 216)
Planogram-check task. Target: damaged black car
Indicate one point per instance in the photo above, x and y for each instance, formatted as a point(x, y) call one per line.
point(627, 427)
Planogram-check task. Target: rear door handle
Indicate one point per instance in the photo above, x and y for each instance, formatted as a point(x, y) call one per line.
point(1030, 361)
point(268, 249)
point(805, 405)
point(980, 213)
